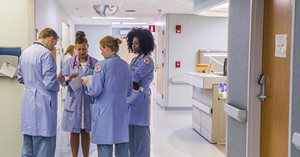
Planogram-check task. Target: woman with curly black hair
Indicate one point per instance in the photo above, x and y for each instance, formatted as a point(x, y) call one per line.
point(141, 42)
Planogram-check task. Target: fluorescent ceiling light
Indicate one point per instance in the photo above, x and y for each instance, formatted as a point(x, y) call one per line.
point(129, 23)
point(134, 23)
point(114, 18)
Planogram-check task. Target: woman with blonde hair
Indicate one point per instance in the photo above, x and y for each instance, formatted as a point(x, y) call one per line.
point(110, 86)
point(70, 52)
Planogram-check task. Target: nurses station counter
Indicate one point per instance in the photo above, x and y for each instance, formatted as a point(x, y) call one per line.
point(208, 109)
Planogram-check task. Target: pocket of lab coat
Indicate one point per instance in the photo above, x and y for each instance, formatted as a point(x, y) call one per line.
point(69, 104)
point(95, 111)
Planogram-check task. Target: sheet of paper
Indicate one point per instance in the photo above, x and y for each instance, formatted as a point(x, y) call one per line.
point(8, 70)
point(88, 77)
point(75, 83)
point(280, 45)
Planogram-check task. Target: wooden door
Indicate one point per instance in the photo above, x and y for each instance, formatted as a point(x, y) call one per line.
point(275, 109)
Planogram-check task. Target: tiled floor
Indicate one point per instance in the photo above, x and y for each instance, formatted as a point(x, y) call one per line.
point(172, 136)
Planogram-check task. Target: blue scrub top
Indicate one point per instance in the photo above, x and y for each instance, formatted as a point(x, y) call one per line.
point(110, 86)
point(142, 72)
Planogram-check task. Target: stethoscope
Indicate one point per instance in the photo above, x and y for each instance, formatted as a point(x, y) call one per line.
point(75, 62)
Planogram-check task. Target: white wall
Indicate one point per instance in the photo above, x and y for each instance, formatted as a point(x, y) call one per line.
point(93, 34)
point(49, 13)
point(17, 30)
point(197, 32)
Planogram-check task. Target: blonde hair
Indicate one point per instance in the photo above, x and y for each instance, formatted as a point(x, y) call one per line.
point(48, 32)
point(111, 42)
point(70, 50)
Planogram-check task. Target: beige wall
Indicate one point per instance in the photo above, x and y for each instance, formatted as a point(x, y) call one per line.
point(17, 30)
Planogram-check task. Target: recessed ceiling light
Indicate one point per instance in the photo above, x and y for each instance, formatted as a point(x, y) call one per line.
point(116, 23)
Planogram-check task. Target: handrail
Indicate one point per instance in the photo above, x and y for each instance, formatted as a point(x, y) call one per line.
point(177, 80)
point(235, 113)
point(296, 140)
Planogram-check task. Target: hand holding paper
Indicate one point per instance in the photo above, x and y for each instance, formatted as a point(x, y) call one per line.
point(86, 80)
point(75, 83)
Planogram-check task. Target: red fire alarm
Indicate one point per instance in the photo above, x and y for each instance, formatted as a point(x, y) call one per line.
point(152, 28)
point(177, 64)
point(178, 28)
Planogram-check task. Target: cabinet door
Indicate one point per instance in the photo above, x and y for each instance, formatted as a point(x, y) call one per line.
point(196, 117)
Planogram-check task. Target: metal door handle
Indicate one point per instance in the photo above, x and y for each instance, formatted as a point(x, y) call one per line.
point(262, 83)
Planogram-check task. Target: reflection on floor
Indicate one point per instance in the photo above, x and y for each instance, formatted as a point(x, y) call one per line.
point(172, 136)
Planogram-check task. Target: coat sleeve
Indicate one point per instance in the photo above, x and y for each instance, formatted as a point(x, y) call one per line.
point(20, 75)
point(142, 70)
point(98, 81)
point(129, 90)
point(66, 70)
point(49, 72)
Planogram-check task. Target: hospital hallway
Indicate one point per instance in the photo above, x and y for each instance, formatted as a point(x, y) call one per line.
point(171, 136)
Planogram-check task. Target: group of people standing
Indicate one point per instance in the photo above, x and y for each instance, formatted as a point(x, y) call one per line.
point(114, 105)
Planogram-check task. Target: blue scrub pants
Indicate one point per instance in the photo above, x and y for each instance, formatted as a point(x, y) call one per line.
point(106, 150)
point(38, 146)
point(139, 141)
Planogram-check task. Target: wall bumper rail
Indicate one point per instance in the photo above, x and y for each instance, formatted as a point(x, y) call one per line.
point(235, 113)
point(178, 80)
point(296, 140)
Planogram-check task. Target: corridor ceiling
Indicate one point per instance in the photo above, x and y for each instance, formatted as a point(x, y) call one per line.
point(146, 11)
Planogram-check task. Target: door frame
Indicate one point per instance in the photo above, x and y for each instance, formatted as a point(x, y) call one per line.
point(255, 69)
point(291, 77)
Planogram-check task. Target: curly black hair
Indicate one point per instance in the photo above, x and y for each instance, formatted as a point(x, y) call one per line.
point(145, 37)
